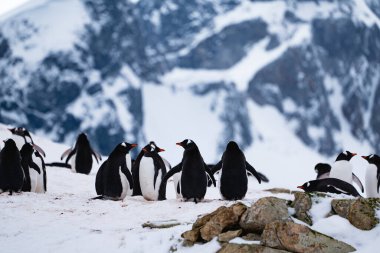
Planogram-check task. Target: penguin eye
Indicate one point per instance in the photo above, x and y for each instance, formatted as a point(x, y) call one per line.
point(371, 156)
point(308, 184)
point(123, 144)
point(188, 141)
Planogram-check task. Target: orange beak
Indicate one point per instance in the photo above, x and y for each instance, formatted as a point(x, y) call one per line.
point(300, 187)
point(365, 157)
point(133, 145)
point(179, 144)
point(161, 150)
point(354, 154)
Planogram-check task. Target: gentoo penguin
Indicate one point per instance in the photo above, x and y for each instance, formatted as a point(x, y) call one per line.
point(233, 179)
point(11, 172)
point(192, 184)
point(81, 155)
point(332, 185)
point(148, 170)
point(342, 169)
point(114, 180)
point(21, 135)
point(372, 176)
point(31, 169)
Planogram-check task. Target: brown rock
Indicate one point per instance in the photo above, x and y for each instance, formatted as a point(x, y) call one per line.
point(229, 235)
point(342, 206)
point(362, 213)
point(247, 248)
point(299, 238)
point(264, 211)
point(191, 235)
point(278, 190)
point(204, 219)
point(252, 237)
point(302, 204)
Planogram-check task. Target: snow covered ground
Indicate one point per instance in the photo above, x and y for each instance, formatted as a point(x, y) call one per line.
point(65, 220)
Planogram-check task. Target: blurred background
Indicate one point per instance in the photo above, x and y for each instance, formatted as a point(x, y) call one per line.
point(295, 79)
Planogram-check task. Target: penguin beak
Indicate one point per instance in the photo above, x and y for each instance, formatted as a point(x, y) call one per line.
point(145, 150)
point(365, 157)
point(161, 150)
point(354, 154)
point(179, 144)
point(133, 145)
point(300, 187)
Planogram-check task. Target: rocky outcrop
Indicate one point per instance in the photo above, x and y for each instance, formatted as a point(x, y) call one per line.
point(302, 204)
point(229, 235)
point(264, 211)
point(299, 238)
point(247, 248)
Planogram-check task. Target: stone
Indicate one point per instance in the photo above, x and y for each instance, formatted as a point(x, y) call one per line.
point(278, 190)
point(161, 224)
point(191, 235)
point(229, 235)
point(247, 248)
point(262, 212)
point(299, 238)
point(302, 204)
point(362, 213)
point(342, 207)
point(252, 237)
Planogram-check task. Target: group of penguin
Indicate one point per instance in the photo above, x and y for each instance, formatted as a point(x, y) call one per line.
point(22, 168)
point(339, 177)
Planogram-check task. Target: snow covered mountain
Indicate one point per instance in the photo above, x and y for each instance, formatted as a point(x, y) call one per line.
point(139, 70)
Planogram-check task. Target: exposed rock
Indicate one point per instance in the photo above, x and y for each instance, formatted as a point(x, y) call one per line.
point(252, 237)
point(302, 204)
point(299, 238)
point(342, 206)
point(278, 190)
point(264, 211)
point(362, 213)
point(229, 235)
point(191, 235)
point(161, 224)
point(247, 248)
point(204, 219)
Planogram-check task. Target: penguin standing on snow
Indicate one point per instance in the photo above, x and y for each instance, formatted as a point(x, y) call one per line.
point(114, 180)
point(372, 176)
point(148, 170)
point(341, 169)
point(31, 169)
point(233, 179)
point(21, 135)
point(332, 185)
point(80, 155)
point(192, 184)
point(11, 172)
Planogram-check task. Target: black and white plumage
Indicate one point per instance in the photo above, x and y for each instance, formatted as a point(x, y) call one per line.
point(234, 168)
point(192, 184)
point(372, 177)
point(331, 185)
point(148, 171)
point(31, 169)
point(11, 172)
point(114, 179)
point(81, 155)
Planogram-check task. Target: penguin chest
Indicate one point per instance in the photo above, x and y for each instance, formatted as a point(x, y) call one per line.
point(148, 184)
point(177, 185)
point(40, 176)
point(371, 182)
point(73, 163)
point(124, 185)
point(33, 174)
point(342, 170)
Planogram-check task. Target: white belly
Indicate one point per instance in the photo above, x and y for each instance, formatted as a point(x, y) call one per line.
point(342, 170)
point(73, 158)
point(124, 185)
point(371, 182)
point(149, 190)
point(40, 177)
point(177, 180)
point(33, 179)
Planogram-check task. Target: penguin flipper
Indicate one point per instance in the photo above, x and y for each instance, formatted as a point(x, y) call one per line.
point(210, 174)
point(67, 152)
point(136, 175)
point(99, 179)
point(252, 171)
point(162, 190)
point(128, 174)
point(35, 167)
point(70, 155)
point(216, 167)
point(357, 181)
point(263, 177)
point(96, 155)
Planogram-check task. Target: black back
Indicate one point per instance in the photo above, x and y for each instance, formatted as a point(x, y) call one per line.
point(346, 155)
point(84, 152)
point(108, 181)
point(332, 185)
point(11, 172)
point(26, 162)
point(322, 168)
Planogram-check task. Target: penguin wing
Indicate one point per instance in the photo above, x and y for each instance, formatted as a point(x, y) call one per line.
point(99, 179)
point(70, 155)
point(357, 181)
point(378, 180)
point(162, 190)
point(136, 175)
point(96, 155)
point(210, 174)
point(216, 167)
point(35, 167)
point(252, 171)
point(67, 152)
point(263, 177)
point(128, 174)
point(336, 189)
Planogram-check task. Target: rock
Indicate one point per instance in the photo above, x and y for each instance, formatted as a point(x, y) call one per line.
point(362, 213)
point(299, 238)
point(247, 248)
point(302, 204)
point(264, 211)
point(161, 224)
point(252, 237)
point(229, 235)
point(204, 219)
point(278, 190)
point(342, 206)
point(191, 235)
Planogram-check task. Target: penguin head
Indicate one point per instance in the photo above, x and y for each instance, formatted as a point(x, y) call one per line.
point(308, 186)
point(125, 147)
point(232, 146)
point(9, 143)
point(152, 147)
point(373, 159)
point(322, 168)
point(82, 137)
point(21, 131)
point(27, 149)
point(187, 144)
point(346, 155)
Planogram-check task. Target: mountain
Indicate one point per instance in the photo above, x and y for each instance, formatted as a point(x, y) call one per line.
point(211, 70)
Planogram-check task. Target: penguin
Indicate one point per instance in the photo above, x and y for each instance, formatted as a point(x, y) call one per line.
point(80, 155)
point(11, 172)
point(114, 180)
point(192, 184)
point(31, 169)
point(148, 170)
point(42, 177)
point(21, 135)
point(233, 178)
point(342, 169)
point(372, 176)
point(332, 185)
